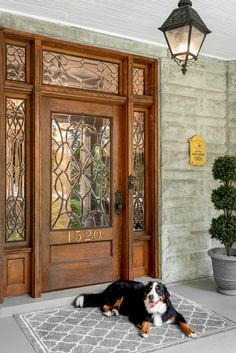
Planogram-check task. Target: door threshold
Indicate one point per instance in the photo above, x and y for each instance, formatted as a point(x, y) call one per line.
point(25, 303)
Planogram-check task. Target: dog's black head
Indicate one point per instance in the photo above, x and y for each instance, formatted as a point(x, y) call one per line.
point(156, 294)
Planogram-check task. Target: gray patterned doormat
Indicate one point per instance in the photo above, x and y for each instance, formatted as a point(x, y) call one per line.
point(70, 330)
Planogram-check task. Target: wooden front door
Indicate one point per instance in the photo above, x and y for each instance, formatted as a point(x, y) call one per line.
point(78, 125)
point(82, 163)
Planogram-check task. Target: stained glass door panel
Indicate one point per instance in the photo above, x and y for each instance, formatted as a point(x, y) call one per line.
point(80, 153)
point(80, 171)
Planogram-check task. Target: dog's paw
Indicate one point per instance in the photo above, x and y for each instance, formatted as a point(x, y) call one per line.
point(115, 312)
point(144, 329)
point(192, 335)
point(107, 313)
point(79, 301)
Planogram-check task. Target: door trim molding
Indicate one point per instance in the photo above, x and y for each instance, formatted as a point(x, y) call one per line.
point(2, 166)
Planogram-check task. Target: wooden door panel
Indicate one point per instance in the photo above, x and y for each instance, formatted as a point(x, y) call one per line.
point(77, 252)
point(89, 272)
point(81, 245)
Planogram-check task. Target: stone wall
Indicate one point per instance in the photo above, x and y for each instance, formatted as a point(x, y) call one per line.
point(231, 107)
point(188, 105)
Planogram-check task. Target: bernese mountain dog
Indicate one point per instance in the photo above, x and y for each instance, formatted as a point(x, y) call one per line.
point(142, 304)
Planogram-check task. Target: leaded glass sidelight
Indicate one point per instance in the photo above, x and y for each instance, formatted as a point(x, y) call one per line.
point(78, 72)
point(80, 171)
point(15, 56)
point(138, 81)
point(139, 171)
point(15, 169)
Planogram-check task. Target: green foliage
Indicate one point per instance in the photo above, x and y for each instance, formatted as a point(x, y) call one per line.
point(224, 198)
point(76, 209)
point(224, 169)
point(223, 228)
point(75, 206)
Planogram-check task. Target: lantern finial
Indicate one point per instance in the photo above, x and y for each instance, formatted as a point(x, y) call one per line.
point(184, 3)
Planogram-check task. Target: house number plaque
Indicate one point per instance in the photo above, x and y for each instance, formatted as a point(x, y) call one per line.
point(197, 151)
point(84, 235)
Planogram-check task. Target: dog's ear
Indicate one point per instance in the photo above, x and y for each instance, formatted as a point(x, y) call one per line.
point(166, 293)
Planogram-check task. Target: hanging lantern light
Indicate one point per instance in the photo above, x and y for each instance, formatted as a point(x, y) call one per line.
point(185, 33)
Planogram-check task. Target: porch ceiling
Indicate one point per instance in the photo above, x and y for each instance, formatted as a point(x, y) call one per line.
point(135, 19)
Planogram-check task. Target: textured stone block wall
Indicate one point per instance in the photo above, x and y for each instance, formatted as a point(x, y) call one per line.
point(190, 105)
point(231, 107)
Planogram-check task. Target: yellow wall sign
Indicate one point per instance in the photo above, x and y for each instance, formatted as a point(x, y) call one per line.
point(197, 151)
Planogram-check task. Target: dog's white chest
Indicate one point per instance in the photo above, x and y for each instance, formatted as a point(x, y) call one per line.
point(157, 320)
point(159, 310)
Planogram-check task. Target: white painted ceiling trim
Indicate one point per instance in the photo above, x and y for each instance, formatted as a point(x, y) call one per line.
point(136, 20)
point(93, 29)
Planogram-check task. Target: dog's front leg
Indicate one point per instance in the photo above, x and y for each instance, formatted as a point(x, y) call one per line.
point(106, 310)
point(186, 329)
point(144, 328)
point(180, 321)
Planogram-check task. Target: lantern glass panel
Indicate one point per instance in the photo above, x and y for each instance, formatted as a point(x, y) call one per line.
point(178, 40)
point(197, 38)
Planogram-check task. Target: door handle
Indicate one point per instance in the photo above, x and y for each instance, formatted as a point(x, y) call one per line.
point(118, 202)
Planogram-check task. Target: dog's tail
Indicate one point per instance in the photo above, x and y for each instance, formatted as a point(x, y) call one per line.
point(89, 300)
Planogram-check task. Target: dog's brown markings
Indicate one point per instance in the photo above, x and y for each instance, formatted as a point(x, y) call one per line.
point(185, 328)
point(145, 327)
point(150, 285)
point(106, 308)
point(118, 303)
point(172, 320)
point(162, 298)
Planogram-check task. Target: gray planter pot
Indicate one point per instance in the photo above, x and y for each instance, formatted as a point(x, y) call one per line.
point(224, 270)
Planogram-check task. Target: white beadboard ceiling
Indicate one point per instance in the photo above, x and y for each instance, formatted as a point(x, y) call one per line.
point(135, 19)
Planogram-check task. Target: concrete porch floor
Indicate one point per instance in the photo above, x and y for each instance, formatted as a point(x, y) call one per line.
point(12, 339)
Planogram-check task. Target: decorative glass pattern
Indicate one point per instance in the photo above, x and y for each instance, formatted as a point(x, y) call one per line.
point(138, 81)
point(15, 63)
point(80, 171)
point(139, 167)
point(78, 72)
point(15, 169)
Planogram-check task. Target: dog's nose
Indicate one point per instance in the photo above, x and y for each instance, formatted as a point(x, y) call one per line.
point(151, 297)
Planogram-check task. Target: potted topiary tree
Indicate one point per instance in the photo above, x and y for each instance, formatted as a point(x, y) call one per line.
point(223, 228)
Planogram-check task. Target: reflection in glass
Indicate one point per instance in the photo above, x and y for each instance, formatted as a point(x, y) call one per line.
point(80, 171)
point(15, 63)
point(178, 40)
point(138, 81)
point(196, 41)
point(78, 72)
point(138, 167)
point(15, 169)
